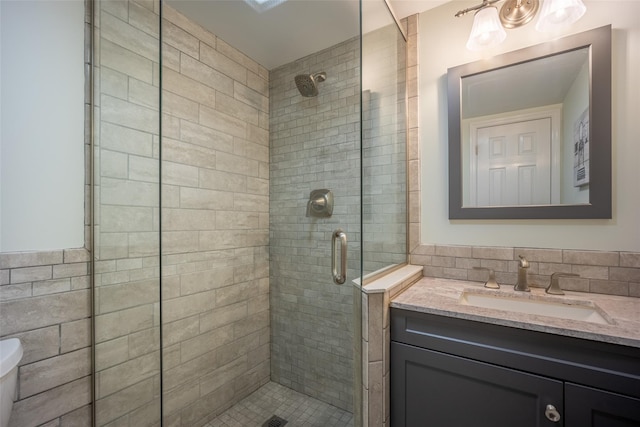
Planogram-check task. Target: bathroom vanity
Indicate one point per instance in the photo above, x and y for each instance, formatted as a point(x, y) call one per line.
point(453, 364)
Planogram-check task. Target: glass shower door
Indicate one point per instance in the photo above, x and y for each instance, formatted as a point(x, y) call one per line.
point(384, 141)
point(126, 201)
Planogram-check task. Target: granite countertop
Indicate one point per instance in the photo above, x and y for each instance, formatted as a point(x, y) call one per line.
point(443, 297)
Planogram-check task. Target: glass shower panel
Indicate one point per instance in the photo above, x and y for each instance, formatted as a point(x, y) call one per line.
point(215, 221)
point(126, 240)
point(384, 127)
point(315, 144)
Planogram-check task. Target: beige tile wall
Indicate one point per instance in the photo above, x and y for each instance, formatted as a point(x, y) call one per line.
point(376, 339)
point(214, 216)
point(215, 222)
point(603, 272)
point(45, 302)
point(413, 136)
point(126, 193)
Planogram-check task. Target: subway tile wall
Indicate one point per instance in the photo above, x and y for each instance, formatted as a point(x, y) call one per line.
point(126, 208)
point(413, 136)
point(214, 216)
point(45, 302)
point(376, 339)
point(314, 145)
point(215, 223)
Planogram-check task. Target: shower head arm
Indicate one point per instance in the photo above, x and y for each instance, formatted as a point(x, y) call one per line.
point(320, 77)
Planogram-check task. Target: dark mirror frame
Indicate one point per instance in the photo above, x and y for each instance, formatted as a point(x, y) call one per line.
point(599, 206)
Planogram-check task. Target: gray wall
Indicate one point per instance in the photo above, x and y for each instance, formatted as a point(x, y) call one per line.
point(315, 143)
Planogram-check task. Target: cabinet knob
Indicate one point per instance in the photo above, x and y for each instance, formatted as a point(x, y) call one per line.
point(552, 413)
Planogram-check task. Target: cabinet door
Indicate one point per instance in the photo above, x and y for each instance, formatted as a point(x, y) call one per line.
point(433, 389)
point(590, 407)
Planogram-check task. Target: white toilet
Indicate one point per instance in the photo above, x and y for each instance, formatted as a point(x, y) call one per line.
point(10, 355)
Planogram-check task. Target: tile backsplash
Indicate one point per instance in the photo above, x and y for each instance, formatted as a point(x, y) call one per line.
point(602, 272)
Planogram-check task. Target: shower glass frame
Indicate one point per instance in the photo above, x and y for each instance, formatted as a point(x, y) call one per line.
point(385, 165)
point(125, 237)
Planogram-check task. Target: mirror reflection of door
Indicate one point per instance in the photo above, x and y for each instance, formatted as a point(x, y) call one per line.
point(513, 164)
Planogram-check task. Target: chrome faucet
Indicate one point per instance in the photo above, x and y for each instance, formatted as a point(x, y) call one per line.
point(554, 284)
point(522, 284)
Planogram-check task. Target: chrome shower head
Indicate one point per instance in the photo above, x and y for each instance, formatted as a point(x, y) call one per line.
point(308, 83)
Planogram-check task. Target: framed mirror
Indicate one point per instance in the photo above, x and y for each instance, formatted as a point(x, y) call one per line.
point(530, 132)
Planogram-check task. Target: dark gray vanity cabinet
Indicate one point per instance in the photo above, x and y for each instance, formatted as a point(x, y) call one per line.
point(444, 390)
point(586, 406)
point(448, 372)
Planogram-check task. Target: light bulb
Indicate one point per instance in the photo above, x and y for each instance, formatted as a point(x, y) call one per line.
point(486, 31)
point(556, 14)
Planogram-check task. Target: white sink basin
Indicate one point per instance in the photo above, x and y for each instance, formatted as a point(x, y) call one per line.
point(564, 309)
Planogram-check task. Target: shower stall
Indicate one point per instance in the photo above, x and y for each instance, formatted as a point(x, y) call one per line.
point(211, 284)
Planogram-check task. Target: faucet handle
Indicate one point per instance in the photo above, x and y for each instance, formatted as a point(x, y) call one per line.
point(554, 284)
point(491, 283)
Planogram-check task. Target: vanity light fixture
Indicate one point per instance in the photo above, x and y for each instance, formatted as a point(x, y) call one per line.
point(489, 24)
point(486, 31)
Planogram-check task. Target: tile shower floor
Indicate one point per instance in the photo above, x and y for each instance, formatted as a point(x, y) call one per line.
point(273, 399)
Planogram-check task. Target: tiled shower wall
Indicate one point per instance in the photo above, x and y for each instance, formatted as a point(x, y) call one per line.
point(215, 222)
point(126, 190)
point(214, 215)
point(314, 145)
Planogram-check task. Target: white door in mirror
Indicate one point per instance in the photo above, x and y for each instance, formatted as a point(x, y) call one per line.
point(513, 164)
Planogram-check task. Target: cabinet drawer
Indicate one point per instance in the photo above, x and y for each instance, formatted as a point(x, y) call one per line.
point(605, 366)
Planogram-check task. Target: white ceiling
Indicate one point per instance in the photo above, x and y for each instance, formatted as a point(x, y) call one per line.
point(292, 29)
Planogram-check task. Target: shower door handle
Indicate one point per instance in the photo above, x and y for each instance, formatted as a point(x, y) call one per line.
point(339, 278)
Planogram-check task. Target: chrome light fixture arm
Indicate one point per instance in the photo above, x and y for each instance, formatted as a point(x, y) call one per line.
point(513, 13)
point(484, 4)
